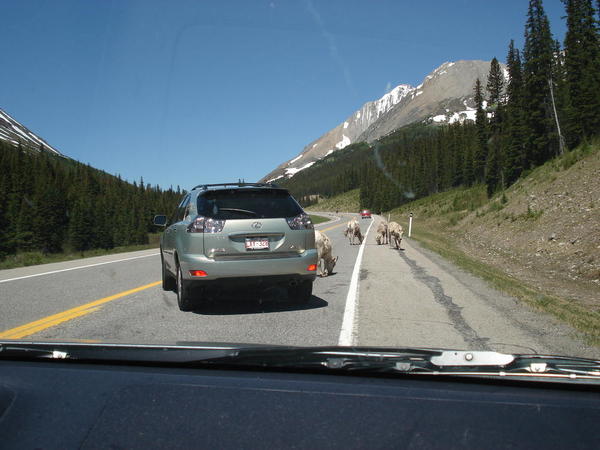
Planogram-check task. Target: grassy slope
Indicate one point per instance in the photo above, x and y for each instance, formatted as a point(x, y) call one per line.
point(318, 219)
point(34, 258)
point(348, 201)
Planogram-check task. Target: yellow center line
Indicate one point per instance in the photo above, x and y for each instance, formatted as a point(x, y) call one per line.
point(55, 319)
point(333, 226)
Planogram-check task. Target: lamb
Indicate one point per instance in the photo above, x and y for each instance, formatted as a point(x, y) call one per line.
point(325, 262)
point(352, 231)
point(382, 233)
point(395, 233)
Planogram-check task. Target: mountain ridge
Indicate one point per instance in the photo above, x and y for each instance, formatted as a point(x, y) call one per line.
point(15, 133)
point(444, 96)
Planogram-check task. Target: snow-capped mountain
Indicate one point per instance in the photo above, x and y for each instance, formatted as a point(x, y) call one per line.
point(15, 133)
point(444, 96)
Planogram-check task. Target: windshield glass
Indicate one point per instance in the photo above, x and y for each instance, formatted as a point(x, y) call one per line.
point(307, 173)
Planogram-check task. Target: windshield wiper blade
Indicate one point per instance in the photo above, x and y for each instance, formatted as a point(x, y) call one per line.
point(243, 211)
point(414, 361)
point(421, 361)
point(561, 365)
point(337, 358)
point(115, 353)
point(30, 352)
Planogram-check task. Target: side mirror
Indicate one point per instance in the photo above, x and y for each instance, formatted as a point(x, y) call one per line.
point(160, 221)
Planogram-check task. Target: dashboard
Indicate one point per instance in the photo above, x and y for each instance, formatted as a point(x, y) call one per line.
point(62, 405)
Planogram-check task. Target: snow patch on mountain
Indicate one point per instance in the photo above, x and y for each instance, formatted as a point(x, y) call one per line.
point(296, 159)
point(290, 171)
point(343, 143)
point(15, 133)
point(274, 179)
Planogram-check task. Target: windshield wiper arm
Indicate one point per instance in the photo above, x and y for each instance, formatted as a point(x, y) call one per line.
point(413, 361)
point(342, 359)
point(33, 352)
point(243, 211)
point(91, 352)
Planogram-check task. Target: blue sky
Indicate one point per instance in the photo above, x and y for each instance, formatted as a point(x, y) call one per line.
point(188, 92)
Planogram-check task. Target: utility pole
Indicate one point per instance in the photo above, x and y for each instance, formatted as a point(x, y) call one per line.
point(561, 140)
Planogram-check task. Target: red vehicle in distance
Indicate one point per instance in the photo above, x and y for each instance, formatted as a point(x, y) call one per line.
point(365, 214)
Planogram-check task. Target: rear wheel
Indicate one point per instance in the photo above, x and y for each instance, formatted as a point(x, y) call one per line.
point(168, 281)
point(184, 299)
point(302, 292)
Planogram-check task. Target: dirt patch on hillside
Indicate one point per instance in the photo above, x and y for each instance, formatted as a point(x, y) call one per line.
point(545, 231)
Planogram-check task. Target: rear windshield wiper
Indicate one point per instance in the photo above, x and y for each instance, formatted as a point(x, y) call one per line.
point(243, 211)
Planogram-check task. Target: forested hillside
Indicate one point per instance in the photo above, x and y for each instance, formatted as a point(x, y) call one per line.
point(52, 204)
point(548, 104)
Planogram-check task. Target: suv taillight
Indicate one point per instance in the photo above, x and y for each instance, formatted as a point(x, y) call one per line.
point(300, 222)
point(203, 224)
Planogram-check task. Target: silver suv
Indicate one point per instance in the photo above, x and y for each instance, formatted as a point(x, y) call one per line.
point(237, 235)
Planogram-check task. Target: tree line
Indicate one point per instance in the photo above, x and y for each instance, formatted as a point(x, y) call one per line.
point(51, 204)
point(549, 103)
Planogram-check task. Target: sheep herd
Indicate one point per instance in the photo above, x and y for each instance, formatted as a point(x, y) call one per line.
point(387, 233)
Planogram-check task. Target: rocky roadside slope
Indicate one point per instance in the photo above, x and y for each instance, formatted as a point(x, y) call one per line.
point(544, 230)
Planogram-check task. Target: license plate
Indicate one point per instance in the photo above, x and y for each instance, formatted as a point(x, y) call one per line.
point(257, 244)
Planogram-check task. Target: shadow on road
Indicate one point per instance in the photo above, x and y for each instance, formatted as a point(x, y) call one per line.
point(231, 306)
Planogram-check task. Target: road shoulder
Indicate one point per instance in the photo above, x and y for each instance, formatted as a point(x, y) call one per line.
point(413, 297)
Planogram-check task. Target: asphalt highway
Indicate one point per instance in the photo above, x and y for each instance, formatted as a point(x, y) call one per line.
point(376, 296)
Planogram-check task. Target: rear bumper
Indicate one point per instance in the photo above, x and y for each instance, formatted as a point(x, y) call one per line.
point(250, 270)
point(248, 285)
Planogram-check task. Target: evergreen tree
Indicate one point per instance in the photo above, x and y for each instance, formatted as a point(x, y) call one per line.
point(48, 220)
point(480, 156)
point(515, 123)
point(582, 63)
point(495, 85)
point(495, 157)
point(538, 64)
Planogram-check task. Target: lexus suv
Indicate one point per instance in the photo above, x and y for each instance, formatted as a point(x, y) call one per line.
point(237, 235)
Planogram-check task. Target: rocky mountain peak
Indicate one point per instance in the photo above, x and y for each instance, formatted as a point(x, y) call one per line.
point(445, 95)
point(15, 133)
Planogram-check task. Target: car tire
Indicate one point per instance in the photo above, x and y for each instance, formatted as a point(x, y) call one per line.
point(168, 281)
point(184, 299)
point(302, 292)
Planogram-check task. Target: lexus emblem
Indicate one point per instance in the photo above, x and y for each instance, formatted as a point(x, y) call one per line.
point(257, 225)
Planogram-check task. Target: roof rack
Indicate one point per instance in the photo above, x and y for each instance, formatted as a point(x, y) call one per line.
point(239, 184)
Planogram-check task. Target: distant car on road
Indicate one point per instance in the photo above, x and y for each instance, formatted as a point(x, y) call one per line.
point(237, 235)
point(365, 214)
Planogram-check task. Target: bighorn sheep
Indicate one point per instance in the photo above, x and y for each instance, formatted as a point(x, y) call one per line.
point(326, 261)
point(395, 233)
point(382, 233)
point(352, 231)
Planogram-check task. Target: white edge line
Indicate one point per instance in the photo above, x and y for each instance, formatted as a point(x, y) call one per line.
point(347, 335)
point(75, 268)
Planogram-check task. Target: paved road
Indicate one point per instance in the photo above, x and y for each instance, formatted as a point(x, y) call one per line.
point(390, 297)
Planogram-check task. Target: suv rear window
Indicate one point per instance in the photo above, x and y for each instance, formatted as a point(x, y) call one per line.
point(247, 204)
